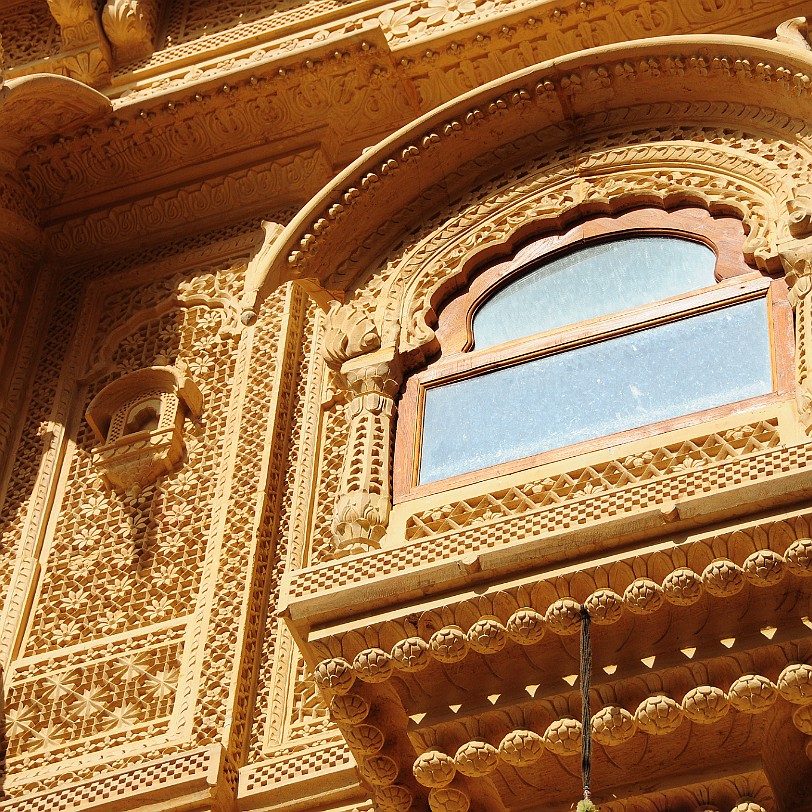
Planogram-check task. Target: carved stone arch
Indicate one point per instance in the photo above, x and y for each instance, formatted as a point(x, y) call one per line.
point(182, 294)
point(511, 211)
point(723, 127)
point(755, 93)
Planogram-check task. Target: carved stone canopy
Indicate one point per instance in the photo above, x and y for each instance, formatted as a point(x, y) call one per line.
point(35, 107)
point(139, 420)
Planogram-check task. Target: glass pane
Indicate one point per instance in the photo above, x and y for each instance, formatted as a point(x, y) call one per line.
point(638, 378)
point(591, 282)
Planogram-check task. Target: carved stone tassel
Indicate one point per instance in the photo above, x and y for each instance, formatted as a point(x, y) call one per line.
point(585, 680)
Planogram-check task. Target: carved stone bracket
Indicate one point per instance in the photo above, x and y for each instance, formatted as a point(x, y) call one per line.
point(130, 26)
point(86, 54)
point(794, 32)
point(255, 270)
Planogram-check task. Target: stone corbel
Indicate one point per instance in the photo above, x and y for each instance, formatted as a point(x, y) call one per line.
point(130, 26)
point(85, 53)
point(795, 253)
point(370, 375)
point(77, 19)
point(255, 272)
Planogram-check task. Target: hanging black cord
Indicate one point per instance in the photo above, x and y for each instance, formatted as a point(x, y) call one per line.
point(586, 718)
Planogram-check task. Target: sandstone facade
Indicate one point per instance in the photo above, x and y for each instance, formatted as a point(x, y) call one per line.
point(238, 243)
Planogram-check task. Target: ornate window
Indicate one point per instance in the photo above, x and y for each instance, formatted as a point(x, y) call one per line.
point(618, 328)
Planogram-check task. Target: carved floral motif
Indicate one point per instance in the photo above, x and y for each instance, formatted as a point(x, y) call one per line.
point(130, 26)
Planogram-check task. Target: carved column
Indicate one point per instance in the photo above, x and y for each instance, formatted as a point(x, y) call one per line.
point(362, 511)
point(795, 252)
point(368, 372)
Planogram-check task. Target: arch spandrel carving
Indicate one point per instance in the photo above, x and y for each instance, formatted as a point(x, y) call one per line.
point(421, 169)
point(547, 202)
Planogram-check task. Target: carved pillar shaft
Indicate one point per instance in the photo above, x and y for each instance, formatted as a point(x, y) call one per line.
point(362, 509)
point(802, 303)
point(795, 253)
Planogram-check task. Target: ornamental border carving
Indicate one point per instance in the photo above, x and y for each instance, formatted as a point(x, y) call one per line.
point(323, 239)
point(761, 553)
point(653, 505)
point(607, 181)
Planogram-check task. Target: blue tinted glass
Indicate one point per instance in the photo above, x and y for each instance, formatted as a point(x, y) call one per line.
point(591, 282)
point(654, 374)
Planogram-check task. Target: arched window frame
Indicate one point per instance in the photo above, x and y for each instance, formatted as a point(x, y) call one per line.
point(736, 281)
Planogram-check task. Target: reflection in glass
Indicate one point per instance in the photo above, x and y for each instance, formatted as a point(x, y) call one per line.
point(591, 282)
point(638, 378)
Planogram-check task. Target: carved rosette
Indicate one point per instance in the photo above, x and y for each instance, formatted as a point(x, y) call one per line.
point(362, 511)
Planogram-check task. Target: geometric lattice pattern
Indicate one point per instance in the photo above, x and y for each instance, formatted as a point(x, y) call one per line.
point(552, 518)
point(296, 765)
point(93, 699)
point(195, 765)
point(630, 470)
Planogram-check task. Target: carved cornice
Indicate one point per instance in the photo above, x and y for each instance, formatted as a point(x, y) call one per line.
point(545, 533)
point(344, 86)
point(433, 42)
point(376, 193)
point(534, 729)
point(261, 187)
point(721, 566)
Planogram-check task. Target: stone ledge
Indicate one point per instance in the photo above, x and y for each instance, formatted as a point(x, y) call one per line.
point(199, 779)
point(538, 539)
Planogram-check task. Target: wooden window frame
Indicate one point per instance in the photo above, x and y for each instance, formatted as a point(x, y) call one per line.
point(736, 282)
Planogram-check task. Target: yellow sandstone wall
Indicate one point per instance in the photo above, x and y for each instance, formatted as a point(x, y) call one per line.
point(146, 664)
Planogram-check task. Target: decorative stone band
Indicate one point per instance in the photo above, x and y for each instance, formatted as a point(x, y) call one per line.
point(526, 626)
point(322, 766)
point(203, 774)
point(656, 715)
point(666, 496)
point(633, 469)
